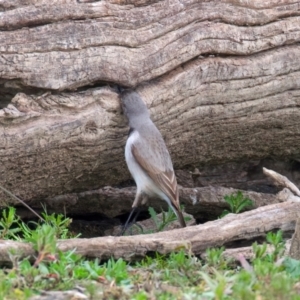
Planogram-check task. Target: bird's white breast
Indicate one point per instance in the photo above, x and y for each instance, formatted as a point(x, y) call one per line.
point(142, 180)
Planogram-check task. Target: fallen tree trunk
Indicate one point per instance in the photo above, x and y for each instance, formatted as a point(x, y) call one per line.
point(248, 225)
point(130, 45)
point(222, 86)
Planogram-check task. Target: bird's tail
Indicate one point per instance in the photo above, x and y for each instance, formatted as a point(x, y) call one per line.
point(173, 201)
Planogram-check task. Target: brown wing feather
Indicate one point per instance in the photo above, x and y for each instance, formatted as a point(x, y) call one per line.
point(165, 179)
point(168, 184)
point(153, 156)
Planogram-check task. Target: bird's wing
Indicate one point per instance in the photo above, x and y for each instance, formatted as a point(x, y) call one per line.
point(153, 156)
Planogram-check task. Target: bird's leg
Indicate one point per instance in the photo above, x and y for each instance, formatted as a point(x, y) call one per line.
point(127, 224)
point(135, 208)
point(138, 211)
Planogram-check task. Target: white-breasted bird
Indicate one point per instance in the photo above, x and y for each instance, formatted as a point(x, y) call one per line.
point(147, 157)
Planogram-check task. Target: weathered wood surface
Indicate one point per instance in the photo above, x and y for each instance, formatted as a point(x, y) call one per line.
point(282, 181)
point(248, 225)
point(223, 85)
point(115, 42)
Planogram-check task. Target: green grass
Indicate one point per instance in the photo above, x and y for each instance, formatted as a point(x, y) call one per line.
point(179, 275)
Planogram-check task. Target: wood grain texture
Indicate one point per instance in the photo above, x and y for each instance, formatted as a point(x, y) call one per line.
point(196, 239)
point(218, 110)
point(71, 44)
point(46, 149)
point(221, 80)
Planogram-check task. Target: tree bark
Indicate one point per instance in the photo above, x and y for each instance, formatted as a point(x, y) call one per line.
point(197, 239)
point(221, 80)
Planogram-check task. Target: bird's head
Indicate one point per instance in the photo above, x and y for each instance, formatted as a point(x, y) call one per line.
point(133, 105)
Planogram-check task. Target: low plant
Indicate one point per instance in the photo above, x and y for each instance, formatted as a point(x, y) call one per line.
point(180, 275)
point(60, 223)
point(276, 248)
point(167, 217)
point(237, 203)
point(214, 258)
point(11, 227)
point(9, 222)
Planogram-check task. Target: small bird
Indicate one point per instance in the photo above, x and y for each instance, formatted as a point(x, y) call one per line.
point(148, 158)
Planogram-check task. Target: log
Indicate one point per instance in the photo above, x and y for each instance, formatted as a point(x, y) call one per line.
point(83, 144)
point(71, 151)
point(238, 254)
point(115, 42)
point(221, 80)
point(247, 225)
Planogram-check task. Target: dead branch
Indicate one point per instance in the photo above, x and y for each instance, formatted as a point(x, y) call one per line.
point(248, 225)
point(281, 180)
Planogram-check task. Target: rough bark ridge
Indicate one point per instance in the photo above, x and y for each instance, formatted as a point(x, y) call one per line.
point(222, 86)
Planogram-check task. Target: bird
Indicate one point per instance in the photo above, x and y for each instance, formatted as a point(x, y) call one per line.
point(148, 158)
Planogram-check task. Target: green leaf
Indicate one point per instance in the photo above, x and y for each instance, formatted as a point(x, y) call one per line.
point(153, 215)
point(292, 266)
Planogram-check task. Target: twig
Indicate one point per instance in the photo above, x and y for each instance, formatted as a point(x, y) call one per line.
point(21, 201)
